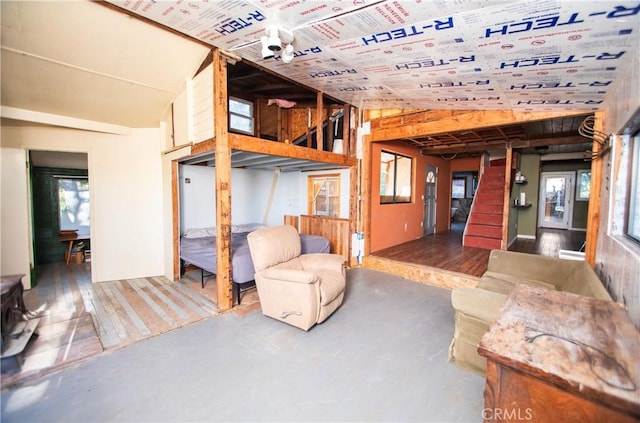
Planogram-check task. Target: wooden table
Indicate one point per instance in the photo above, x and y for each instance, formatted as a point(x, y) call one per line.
point(71, 240)
point(555, 356)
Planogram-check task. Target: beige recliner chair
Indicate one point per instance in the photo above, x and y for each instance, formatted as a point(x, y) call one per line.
point(301, 290)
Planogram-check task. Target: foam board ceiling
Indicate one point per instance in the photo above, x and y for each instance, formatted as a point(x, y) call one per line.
point(544, 55)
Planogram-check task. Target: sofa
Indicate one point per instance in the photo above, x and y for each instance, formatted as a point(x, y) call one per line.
point(476, 307)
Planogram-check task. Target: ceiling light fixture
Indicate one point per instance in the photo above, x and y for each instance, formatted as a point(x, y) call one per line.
point(272, 41)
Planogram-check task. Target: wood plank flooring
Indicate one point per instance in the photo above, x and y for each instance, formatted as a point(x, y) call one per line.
point(549, 241)
point(444, 250)
point(80, 319)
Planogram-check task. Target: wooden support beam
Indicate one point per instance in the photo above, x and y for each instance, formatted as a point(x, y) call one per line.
point(498, 145)
point(309, 142)
point(438, 122)
point(593, 212)
point(346, 131)
point(319, 121)
point(507, 199)
point(175, 206)
point(256, 145)
point(224, 289)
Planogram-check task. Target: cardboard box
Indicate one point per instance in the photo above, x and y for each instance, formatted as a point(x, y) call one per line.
point(77, 257)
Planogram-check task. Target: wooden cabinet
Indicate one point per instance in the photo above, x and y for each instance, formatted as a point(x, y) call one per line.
point(555, 356)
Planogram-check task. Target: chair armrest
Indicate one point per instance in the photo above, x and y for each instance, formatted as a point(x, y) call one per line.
point(322, 261)
point(290, 275)
point(479, 303)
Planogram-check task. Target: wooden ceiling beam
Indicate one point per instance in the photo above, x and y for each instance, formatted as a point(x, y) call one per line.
point(456, 122)
point(501, 144)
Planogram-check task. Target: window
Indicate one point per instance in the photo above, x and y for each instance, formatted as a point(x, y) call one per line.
point(395, 178)
point(73, 202)
point(324, 195)
point(583, 185)
point(458, 188)
point(240, 115)
point(633, 222)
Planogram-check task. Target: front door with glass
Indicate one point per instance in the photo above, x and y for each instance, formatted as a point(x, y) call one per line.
point(556, 205)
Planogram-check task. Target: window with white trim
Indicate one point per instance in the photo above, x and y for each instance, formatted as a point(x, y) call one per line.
point(324, 195)
point(241, 117)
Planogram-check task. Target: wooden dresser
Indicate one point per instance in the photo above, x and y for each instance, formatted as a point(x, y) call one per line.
point(555, 356)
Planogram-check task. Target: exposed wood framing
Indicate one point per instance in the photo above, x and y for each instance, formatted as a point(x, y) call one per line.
point(224, 290)
point(175, 212)
point(593, 213)
point(365, 192)
point(256, 145)
point(441, 121)
point(478, 147)
point(319, 119)
point(507, 197)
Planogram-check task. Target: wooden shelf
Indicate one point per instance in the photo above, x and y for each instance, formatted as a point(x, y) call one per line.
point(521, 206)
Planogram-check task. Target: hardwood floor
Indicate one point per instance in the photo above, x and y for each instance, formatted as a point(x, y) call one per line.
point(549, 242)
point(444, 250)
point(80, 319)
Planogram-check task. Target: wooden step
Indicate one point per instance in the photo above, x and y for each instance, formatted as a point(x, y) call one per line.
point(486, 219)
point(480, 242)
point(487, 208)
point(490, 197)
point(486, 231)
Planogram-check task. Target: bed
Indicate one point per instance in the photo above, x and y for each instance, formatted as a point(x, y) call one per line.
point(198, 248)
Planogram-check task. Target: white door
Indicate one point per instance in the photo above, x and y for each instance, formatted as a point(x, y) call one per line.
point(430, 201)
point(556, 200)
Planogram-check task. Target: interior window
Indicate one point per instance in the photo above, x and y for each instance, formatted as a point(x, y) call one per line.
point(324, 195)
point(396, 180)
point(241, 115)
point(458, 188)
point(73, 202)
point(633, 223)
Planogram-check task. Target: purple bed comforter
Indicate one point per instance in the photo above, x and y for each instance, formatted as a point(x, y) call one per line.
point(201, 252)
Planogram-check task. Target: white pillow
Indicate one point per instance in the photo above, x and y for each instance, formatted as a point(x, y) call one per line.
point(199, 232)
point(247, 227)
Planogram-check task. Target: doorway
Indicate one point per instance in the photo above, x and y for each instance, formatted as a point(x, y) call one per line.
point(429, 224)
point(556, 205)
point(59, 198)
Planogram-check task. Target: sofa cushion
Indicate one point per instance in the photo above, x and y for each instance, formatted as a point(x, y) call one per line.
point(504, 284)
point(477, 302)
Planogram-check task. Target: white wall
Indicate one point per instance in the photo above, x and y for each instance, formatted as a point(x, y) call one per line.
point(15, 256)
point(125, 178)
point(250, 191)
point(249, 195)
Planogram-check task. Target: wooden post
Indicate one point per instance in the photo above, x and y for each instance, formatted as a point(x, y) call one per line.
point(319, 121)
point(507, 198)
point(346, 131)
point(224, 291)
point(309, 142)
point(176, 220)
point(593, 213)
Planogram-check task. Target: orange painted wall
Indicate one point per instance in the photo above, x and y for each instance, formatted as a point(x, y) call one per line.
point(388, 220)
point(467, 163)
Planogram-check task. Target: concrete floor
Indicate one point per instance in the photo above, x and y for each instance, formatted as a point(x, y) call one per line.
point(381, 357)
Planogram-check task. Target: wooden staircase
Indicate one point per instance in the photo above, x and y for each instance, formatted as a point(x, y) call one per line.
point(484, 226)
